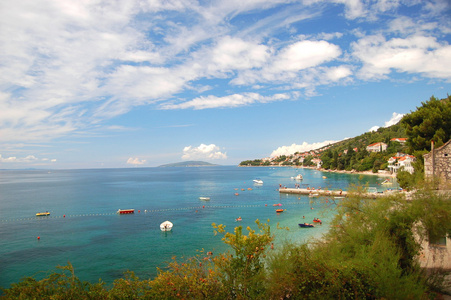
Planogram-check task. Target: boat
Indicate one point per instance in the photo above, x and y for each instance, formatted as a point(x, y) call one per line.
point(238, 219)
point(313, 195)
point(279, 210)
point(258, 181)
point(305, 225)
point(42, 214)
point(386, 181)
point(204, 198)
point(298, 177)
point(324, 177)
point(166, 226)
point(278, 204)
point(125, 211)
point(317, 220)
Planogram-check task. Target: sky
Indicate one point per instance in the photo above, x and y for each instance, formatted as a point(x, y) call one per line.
point(141, 83)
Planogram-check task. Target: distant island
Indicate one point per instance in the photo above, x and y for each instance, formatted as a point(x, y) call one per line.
point(190, 164)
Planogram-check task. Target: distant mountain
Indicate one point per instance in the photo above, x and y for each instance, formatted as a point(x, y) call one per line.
point(190, 164)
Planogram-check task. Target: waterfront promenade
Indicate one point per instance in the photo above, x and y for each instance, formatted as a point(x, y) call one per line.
point(321, 193)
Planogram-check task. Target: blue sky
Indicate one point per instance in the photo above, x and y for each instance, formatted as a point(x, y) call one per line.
point(103, 84)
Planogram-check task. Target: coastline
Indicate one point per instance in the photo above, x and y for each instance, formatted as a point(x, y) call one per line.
point(380, 174)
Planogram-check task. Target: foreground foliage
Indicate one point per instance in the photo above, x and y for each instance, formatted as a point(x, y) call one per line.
point(370, 252)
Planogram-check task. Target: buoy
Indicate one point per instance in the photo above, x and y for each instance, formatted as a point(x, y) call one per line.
point(203, 206)
point(64, 216)
point(39, 237)
point(266, 204)
point(139, 211)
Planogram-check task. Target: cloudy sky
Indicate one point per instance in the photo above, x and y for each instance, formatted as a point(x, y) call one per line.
point(102, 83)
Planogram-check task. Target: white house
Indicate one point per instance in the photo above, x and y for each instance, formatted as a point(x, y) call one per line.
point(401, 161)
point(376, 147)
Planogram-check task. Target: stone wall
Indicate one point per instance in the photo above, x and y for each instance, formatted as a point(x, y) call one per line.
point(437, 163)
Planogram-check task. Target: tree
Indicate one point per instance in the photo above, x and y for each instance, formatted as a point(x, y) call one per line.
point(430, 122)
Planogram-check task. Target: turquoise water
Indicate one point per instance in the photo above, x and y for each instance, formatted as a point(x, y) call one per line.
point(102, 244)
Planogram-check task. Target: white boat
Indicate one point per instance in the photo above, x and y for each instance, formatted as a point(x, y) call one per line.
point(166, 226)
point(204, 198)
point(298, 177)
point(258, 181)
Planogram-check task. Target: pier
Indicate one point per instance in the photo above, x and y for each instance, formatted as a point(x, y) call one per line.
point(322, 193)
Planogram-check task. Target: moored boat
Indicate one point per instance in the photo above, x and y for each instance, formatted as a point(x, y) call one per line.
point(279, 210)
point(204, 198)
point(42, 214)
point(258, 181)
point(304, 225)
point(166, 226)
point(298, 177)
point(125, 211)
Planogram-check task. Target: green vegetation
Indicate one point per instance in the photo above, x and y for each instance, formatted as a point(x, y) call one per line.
point(430, 122)
point(370, 252)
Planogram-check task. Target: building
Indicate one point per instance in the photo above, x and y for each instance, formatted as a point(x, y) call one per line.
point(376, 147)
point(399, 140)
point(437, 164)
point(401, 161)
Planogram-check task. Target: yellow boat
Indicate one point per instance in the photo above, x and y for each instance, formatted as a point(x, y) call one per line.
point(41, 214)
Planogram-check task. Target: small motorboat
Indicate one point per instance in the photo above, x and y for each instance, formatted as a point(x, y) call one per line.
point(258, 181)
point(298, 177)
point(238, 219)
point(166, 226)
point(317, 220)
point(305, 225)
point(279, 210)
point(313, 195)
point(204, 198)
point(386, 181)
point(125, 211)
point(42, 214)
point(278, 204)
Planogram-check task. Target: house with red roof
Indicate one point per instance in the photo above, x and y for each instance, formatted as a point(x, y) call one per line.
point(399, 140)
point(401, 161)
point(376, 147)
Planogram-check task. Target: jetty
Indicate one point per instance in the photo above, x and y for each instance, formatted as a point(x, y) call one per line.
point(325, 193)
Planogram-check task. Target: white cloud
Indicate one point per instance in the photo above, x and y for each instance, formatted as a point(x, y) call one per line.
point(135, 161)
point(203, 152)
point(286, 65)
point(289, 150)
point(27, 159)
point(235, 54)
point(235, 100)
point(414, 54)
point(395, 118)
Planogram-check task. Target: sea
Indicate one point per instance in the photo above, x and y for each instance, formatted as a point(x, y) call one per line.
point(83, 227)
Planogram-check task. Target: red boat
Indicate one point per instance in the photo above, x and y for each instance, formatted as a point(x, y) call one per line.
point(125, 211)
point(279, 210)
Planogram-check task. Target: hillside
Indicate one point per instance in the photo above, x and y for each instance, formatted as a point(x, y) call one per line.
point(349, 154)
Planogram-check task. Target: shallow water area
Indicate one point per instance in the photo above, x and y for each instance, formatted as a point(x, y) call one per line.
point(84, 228)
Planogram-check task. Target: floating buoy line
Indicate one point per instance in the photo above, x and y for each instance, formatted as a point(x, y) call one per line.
point(146, 211)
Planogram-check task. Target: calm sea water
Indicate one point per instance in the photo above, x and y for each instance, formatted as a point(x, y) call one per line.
point(102, 244)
